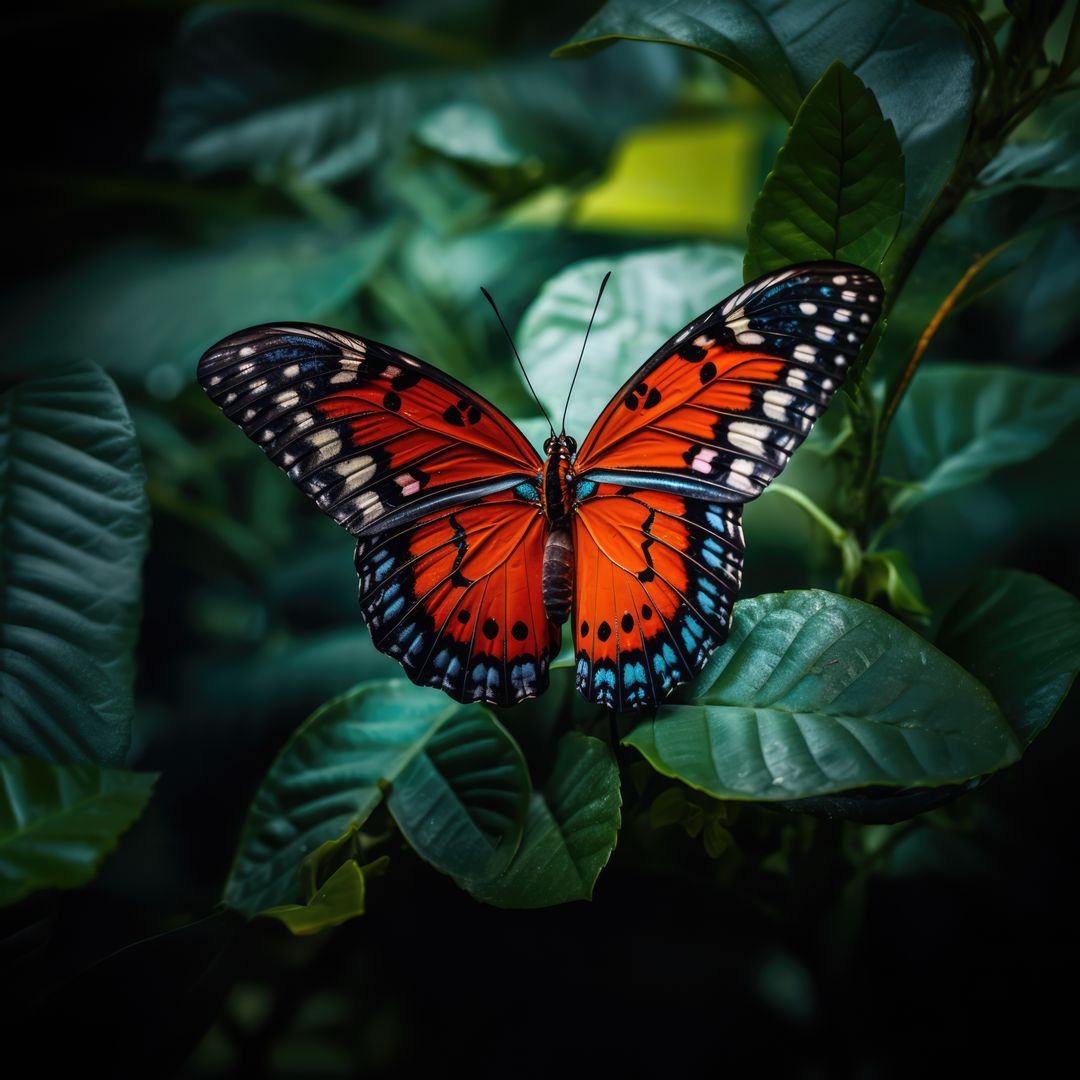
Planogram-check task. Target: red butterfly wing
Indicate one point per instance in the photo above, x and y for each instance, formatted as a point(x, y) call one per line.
point(701, 428)
point(436, 484)
point(657, 575)
point(456, 599)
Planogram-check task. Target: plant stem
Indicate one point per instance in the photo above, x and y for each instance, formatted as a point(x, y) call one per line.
point(836, 532)
point(931, 329)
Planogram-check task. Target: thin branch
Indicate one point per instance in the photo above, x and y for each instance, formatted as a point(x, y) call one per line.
point(946, 306)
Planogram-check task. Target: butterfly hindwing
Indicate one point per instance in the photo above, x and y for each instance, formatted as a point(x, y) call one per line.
point(701, 428)
point(657, 575)
point(455, 599)
point(436, 484)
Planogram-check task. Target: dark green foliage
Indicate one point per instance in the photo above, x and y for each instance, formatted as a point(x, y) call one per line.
point(453, 779)
point(569, 832)
point(814, 693)
point(837, 190)
point(1020, 635)
point(801, 850)
point(71, 547)
point(57, 822)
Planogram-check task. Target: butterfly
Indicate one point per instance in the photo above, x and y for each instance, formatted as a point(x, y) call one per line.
point(472, 550)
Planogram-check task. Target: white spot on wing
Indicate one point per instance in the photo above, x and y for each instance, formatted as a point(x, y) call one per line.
point(807, 308)
point(776, 403)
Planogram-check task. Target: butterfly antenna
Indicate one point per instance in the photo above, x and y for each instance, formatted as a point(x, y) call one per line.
point(603, 285)
point(487, 297)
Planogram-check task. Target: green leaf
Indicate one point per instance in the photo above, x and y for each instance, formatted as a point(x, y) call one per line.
point(148, 309)
point(916, 61)
point(462, 798)
point(958, 424)
point(1020, 636)
point(293, 102)
point(890, 576)
point(473, 134)
point(650, 296)
point(571, 831)
point(341, 898)
point(1052, 161)
point(454, 763)
point(73, 523)
point(815, 693)
point(57, 822)
point(837, 189)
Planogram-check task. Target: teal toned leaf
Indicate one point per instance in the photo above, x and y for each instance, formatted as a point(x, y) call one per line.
point(837, 189)
point(1051, 162)
point(651, 295)
point(1020, 636)
point(917, 62)
point(958, 424)
point(470, 133)
point(341, 898)
point(436, 757)
point(462, 801)
point(570, 833)
point(148, 310)
point(73, 522)
point(57, 822)
point(815, 693)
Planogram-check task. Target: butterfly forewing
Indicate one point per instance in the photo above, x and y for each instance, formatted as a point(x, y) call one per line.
point(720, 408)
point(436, 484)
point(368, 432)
point(701, 428)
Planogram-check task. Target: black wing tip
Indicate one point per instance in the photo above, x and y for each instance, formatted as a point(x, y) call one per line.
point(227, 351)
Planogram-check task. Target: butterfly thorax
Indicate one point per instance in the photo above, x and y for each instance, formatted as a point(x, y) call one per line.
point(557, 501)
point(557, 481)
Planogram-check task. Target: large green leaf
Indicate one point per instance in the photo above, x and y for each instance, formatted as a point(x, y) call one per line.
point(958, 424)
point(57, 822)
point(570, 833)
point(289, 101)
point(815, 693)
point(650, 296)
point(837, 189)
point(916, 61)
point(149, 309)
point(458, 787)
point(1020, 636)
point(73, 521)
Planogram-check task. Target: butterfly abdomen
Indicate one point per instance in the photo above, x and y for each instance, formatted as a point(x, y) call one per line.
point(558, 574)
point(557, 500)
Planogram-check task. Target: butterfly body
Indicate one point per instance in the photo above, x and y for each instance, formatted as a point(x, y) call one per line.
point(557, 499)
point(474, 551)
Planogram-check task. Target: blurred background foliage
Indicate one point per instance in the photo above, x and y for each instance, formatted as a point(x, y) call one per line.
point(181, 170)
